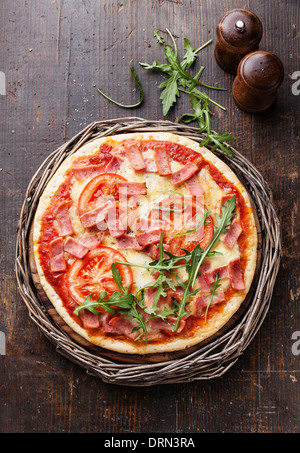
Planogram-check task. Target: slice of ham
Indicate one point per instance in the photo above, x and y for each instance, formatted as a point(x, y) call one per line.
point(204, 286)
point(236, 276)
point(129, 241)
point(148, 237)
point(75, 248)
point(145, 224)
point(194, 187)
point(132, 188)
point(114, 165)
point(184, 173)
point(91, 240)
point(135, 157)
point(159, 324)
point(89, 320)
point(83, 172)
point(162, 160)
point(201, 301)
point(234, 232)
point(56, 254)
point(96, 215)
point(210, 276)
point(115, 228)
point(150, 166)
point(120, 326)
point(63, 221)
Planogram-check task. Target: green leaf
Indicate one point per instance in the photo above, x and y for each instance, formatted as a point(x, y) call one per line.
point(137, 81)
point(117, 277)
point(218, 142)
point(190, 54)
point(158, 37)
point(169, 93)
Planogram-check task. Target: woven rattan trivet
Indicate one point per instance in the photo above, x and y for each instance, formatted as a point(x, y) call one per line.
point(203, 362)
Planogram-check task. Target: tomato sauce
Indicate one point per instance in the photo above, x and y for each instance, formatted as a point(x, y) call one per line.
point(177, 152)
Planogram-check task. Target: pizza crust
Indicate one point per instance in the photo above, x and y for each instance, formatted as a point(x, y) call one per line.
point(125, 347)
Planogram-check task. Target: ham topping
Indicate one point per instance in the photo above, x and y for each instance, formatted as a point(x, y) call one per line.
point(234, 232)
point(194, 187)
point(231, 271)
point(57, 260)
point(91, 240)
point(88, 171)
point(184, 173)
point(151, 166)
point(223, 272)
point(201, 301)
point(63, 220)
point(120, 326)
point(129, 241)
point(114, 165)
point(89, 320)
point(159, 324)
point(135, 157)
point(236, 276)
point(132, 188)
point(75, 248)
point(161, 160)
point(148, 237)
point(96, 215)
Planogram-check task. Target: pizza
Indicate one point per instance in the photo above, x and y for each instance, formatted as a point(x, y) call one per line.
point(145, 243)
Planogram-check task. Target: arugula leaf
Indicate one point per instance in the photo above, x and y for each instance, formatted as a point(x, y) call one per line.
point(158, 37)
point(137, 81)
point(170, 92)
point(213, 291)
point(190, 54)
point(116, 299)
point(218, 141)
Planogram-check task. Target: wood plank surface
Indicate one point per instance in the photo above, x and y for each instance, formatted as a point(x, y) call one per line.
point(54, 54)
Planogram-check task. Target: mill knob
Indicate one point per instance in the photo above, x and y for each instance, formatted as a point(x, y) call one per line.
point(259, 76)
point(239, 32)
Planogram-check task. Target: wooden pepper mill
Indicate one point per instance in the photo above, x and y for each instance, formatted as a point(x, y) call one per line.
point(239, 32)
point(258, 78)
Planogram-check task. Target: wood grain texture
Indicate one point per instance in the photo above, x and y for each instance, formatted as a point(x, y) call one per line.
point(54, 54)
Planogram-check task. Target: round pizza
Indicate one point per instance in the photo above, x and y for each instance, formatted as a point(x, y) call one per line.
point(145, 243)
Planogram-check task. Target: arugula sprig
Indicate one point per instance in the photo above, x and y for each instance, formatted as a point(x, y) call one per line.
point(198, 255)
point(137, 81)
point(192, 261)
point(156, 35)
point(176, 72)
point(179, 80)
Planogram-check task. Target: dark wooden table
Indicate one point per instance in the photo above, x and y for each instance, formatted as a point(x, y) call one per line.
point(54, 54)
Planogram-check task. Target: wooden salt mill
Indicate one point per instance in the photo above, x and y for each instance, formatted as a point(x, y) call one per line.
point(239, 32)
point(258, 78)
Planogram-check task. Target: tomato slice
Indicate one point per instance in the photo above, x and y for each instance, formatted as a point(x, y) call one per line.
point(102, 186)
point(92, 275)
